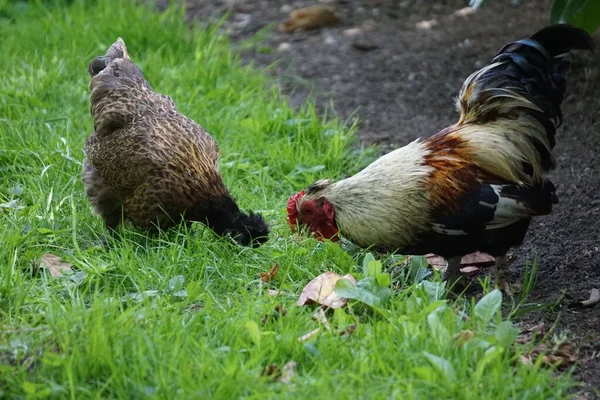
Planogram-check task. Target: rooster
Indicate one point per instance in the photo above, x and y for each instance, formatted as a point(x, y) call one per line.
point(475, 185)
point(151, 165)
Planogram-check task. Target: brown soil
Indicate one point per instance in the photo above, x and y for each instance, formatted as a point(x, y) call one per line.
point(404, 88)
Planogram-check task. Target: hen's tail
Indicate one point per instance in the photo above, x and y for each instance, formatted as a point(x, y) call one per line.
point(510, 108)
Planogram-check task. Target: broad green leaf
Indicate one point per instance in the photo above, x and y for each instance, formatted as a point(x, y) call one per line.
point(442, 367)
point(491, 354)
point(384, 280)
point(425, 373)
point(588, 17)
point(176, 282)
point(366, 291)
point(438, 330)
point(564, 10)
point(29, 387)
point(506, 334)
point(433, 290)
point(486, 308)
point(253, 331)
point(374, 269)
point(368, 259)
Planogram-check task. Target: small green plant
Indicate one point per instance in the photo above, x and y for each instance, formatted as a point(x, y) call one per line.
point(582, 13)
point(373, 289)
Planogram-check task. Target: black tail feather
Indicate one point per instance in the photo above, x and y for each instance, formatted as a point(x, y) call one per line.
point(533, 69)
point(560, 38)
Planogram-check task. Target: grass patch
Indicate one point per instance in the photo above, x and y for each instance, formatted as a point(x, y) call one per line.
point(181, 315)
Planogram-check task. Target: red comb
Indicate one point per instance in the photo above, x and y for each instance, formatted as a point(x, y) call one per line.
point(292, 210)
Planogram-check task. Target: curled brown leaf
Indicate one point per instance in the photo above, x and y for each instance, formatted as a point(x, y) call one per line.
point(54, 264)
point(320, 316)
point(462, 337)
point(321, 290)
point(348, 331)
point(269, 276)
point(309, 335)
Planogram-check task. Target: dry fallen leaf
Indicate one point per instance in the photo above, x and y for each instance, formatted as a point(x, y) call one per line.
point(593, 300)
point(272, 292)
point(526, 360)
point(563, 355)
point(463, 12)
point(312, 17)
point(269, 276)
point(288, 371)
point(477, 259)
point(426, 24)
point(54, 264)
point(321, 290)
point(470, 271)
point(467, 263)
point(271, 370)
point(309, 335)
point(283, 375)
point(320, 316)
point(437, 262)
point(278, 311)
point(348, 331)
point(463, 337)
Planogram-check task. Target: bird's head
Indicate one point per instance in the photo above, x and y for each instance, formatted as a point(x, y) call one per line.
point(115, 62)
point(311, 209)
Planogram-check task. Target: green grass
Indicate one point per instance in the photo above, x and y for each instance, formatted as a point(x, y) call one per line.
point(181, 315)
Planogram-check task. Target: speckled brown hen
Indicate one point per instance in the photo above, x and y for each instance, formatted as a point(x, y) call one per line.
point(148, 163)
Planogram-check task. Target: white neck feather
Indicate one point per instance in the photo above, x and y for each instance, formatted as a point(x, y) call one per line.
point(385, 204)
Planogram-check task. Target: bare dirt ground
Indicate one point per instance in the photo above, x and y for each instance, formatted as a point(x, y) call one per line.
point(399, 72)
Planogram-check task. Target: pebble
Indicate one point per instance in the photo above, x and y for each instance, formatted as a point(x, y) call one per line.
point(369, 25)
point(463, 12)
point(286, 9)
point(426, 24)
point(330, 40)
point(352, 32)
point(364, 43)
point(284, 47)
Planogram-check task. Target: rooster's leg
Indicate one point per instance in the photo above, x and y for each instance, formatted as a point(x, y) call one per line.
point(503, 274)
point(452, 273)
point(456, 281)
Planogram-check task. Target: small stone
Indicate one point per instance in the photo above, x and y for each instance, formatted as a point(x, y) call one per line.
point(364, 43)
point(284, 47)
point(426, 24)
point(369, 25)
point(286, 9)
point(352, 32)
point(478, 64)
point(463, 12)
point(330, 40)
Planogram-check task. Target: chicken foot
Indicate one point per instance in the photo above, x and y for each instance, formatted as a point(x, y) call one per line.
point(453, 276)
point(502, 273)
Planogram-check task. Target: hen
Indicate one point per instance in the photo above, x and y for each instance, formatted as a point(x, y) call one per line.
point(148, 163)
point(475, 185)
